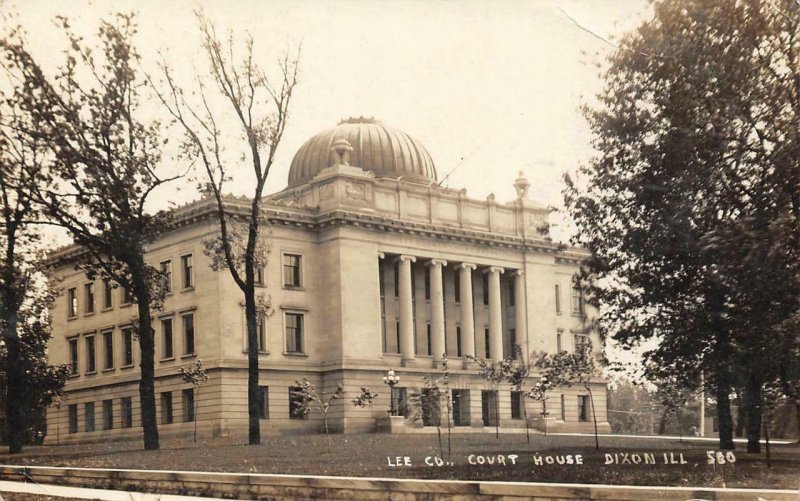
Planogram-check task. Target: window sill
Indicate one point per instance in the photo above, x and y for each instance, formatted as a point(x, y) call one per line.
point(260, 352)
point(74, 376)
point(130, 366)
point(110, 369)
point(73, 317)
point(188, 289)
point(125, 305)
point(293, 287)
point(295, 354)
point(188, 355)
point(107, 308)
point(88, 313)
point(90, 373)
point(167, 359)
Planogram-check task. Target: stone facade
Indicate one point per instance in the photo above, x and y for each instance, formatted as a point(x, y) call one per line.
point(366, 273)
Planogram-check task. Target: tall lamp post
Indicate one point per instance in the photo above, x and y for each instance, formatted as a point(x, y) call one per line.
point(391, 379)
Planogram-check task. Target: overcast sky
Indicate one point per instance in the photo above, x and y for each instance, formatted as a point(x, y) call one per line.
point(489, 87)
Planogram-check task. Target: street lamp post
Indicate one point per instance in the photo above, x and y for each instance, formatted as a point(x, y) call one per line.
point(391, 379)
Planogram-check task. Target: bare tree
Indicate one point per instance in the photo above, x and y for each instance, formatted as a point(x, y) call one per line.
point(103, 167)
point(260, 108)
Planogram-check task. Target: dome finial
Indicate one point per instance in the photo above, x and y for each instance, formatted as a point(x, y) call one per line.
point(521, 184)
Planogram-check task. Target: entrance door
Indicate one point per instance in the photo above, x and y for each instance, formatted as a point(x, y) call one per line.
point(488, 407)
point(461, 407)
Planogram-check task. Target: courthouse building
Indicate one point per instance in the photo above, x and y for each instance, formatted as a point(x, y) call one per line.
point(373, 266)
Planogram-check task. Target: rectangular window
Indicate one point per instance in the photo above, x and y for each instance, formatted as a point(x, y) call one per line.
point(72, 303)
point(579, 341)
point(558, 299)
point(126, 406)
point(88, 409)
point(188, 405)
point(400, 396)
point(188, 334)
point(291, 270)
point(296, 403)
point(516, 405)
point(108, 414)
point(396, 270)
point(108, 349)
point(583, 408)
point(167, 343)
point(107, 297)
point(458, 341)
point(263, 402)
point(91, 362)
point(259, 275)
point(127, 347)
point(73, 356)
point(486, 343)
point(577, 301)
point(127, 297)
point(563, 409)
point(427, 286)
point(485, 287)
point(166, 271)
point(457, 287)
point(261, 332)
point(166, 407)
point(88, 295)
point(294, 332)
point(72, 412)
point(559, 337)
point(512, 338)
point(397, 335)
point(428, 339)
point(186, 266)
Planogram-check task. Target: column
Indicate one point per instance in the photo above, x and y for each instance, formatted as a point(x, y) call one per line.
point(520, 318)
point(437, 309)
point(467, 315)
point(495, 313)
point(406, 311)
point(381, 303)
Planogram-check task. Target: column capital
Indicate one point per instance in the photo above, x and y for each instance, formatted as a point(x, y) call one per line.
point(517, 273)
point(467, 266)
point(381, 255)
point(494, 269)
point(436, 262)
point(405, 257)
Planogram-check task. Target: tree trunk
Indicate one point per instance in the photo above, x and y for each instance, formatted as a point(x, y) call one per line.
point(741, 420)
point(15, 389)
point(662, 423)
point(254, 425)
point(753, 402)
point(196, 401)
point(716, 301)
point(594, 418)
point(767, 422)
point(147, 393)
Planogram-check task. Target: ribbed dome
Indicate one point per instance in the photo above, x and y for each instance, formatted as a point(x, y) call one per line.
point(383, 150)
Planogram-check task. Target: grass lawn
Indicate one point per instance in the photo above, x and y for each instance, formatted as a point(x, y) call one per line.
point(374, 455)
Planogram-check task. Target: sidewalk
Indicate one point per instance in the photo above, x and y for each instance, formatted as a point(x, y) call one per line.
point(88, 494)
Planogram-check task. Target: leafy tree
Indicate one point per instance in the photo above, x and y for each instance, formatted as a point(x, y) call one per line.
point(310, 398)
point(494, 373)
point(564, 370)
point(103, 166)
point(691, 206)
point(426, 406)
point(260, 109)
point(197, 376)
point(538, 392)
point(517, 372)
point(365, 398)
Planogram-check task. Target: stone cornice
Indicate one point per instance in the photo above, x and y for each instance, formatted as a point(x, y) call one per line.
point(309, 218)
